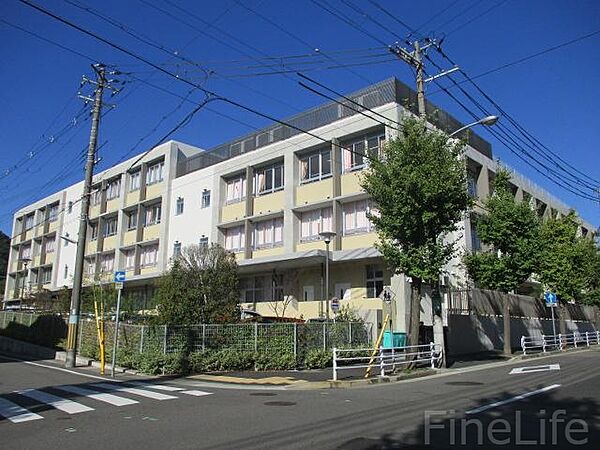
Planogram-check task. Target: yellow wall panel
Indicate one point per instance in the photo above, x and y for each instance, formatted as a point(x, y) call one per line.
point(314, 192)
point(94, 211)
point(266, 252)
point(129, 237)
point(312, 245)
point(350, 183)
point(155, 190)
point(50, 258)
point(91, 247)
point(359, 241)
point(265, 204)
point(112, 205)
point(109, 243)
point(151, 232)
point(148, 270)
point(132, 198)
point(235, 211)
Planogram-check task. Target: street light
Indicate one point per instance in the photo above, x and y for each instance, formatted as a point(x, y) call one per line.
point(327, 237)
point(487, 121)
point(25, 262)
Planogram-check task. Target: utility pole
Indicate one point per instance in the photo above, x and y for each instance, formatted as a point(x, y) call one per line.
point(100, 84)
point(420, 83)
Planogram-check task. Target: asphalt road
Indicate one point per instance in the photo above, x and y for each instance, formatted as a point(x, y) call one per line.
point(557, 409)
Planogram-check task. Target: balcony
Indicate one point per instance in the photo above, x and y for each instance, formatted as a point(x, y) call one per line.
point(130, 237)
point(265, 204)
point(109, 243)
point(151, 232)
point(364, 240)
point(112, 205)
point(234, 211)
point(350, 183)
point(131, 198)
point(154, 190)
point(314, 192)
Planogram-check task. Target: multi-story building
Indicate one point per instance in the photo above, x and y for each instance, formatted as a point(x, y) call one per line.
point(266, 197)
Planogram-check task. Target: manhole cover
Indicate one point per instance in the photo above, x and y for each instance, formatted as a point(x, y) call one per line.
point(280, 403)
point(464, 383)
point(263, 394)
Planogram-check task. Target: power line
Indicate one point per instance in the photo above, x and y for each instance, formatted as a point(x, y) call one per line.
point(435, 16)
point(480, 15)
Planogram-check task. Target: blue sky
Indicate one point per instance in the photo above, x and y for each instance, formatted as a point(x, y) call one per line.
point(553, 96)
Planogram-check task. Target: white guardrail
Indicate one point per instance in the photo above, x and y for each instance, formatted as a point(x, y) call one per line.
point(384, 359)
point(544, 343)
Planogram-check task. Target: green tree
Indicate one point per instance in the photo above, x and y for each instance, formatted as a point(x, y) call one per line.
point(200, 287)
point(418, 184)
point(510, 229)
point(568, 263)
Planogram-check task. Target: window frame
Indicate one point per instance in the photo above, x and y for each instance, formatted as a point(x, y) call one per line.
point(314, 236)
point(53, 212)
point(113, 192)
point(145, 251)
point(242, 189)
point(134, 180)
point(264, 172)
point(130, 215)
point(205, 199)
point(368, 228)
point(377, 282)
point(156, 217)
point(270, 229)
point(349, 151)
point(240, 239)
point(106, 226)
point(179, 206)
point(155, 173)
point(307, 157)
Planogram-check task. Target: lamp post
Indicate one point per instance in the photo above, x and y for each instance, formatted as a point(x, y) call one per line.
point(488, 121)
point(327, 237)
point(25, 262)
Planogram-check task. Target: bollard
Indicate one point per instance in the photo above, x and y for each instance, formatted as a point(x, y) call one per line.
point(334, 364)
point(587, 338)
point(381, 363)
point(523, 345)
point(432, 351)
point(543, 343)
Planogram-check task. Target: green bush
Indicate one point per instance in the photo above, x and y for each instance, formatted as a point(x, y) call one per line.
point(318, 359)
point(273, 361)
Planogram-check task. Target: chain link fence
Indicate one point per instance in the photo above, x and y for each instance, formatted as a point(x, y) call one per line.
point(47, 330)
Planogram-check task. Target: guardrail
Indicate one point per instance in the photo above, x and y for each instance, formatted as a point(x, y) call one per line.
point(384, 359)
point(544, 343)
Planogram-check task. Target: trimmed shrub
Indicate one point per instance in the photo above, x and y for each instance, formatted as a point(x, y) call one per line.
point(318, 359)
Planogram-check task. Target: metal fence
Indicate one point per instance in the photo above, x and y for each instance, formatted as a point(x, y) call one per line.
point(283, 338)
point(43, 329)
point(543, 343)
point(385, 359)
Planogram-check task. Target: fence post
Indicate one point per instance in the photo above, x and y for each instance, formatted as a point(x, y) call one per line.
point(543, 344)
point(334, 364)
point(350, 333)
point(432, 351)
point(325, 336)
point(296, 344)
point(393, 359)
point(587, 338)
point(142, 339)
point(575, 336)
point(523, 344)
point(255, 337)
point(203, 337)
point(165, 341)
point(560, 344)
point(381, 363)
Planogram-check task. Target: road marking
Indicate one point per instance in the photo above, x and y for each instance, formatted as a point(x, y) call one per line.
point(512, 399)
point(97, 395)
point(532, 369)
point(196, 393)
point(141, 392)
point(159, 387)
point(15, 413)
point(62, 404)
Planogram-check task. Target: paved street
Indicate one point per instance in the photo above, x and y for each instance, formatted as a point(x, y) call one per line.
point(44, 407)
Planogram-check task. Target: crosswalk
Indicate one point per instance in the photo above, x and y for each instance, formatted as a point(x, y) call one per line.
point(92, 395)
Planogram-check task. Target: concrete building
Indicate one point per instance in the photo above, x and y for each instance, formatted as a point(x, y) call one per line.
point(265, 197)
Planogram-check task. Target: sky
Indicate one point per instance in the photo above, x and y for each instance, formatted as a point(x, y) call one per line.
point(239, 49)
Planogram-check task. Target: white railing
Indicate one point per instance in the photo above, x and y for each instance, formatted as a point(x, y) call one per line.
point(544, 343)
point(384, 359)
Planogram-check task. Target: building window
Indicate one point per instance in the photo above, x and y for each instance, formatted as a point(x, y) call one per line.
point(268, 233)
point(475, 241)
point(46, 275)
point(471, 184)
point(315, 166)
point(374, 281)
point(176, 249)
point(113, 189)
point(353, 154)
point(179, 206)
point(313, 222)
point(268, 179)
point(155, 173)
point(149, 256)
point(236, 189)
point(25, 252)
point(134, 181)
point(49, 245)
point(53, 213)
point(203, 241)
point(69, 207)
point(95, 197)
point(355, 217)
point(107, 263)
point(110, 227)
point(205, 198)
point(132, 220)
point(152, 215)
point(252, 289)
point(90, 266)
point(235, 239)
point(129, 259)
point(93, 231)
point(28, 224)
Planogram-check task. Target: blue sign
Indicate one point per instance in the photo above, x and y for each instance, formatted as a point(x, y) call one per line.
point(119, 276)
point(551, 299)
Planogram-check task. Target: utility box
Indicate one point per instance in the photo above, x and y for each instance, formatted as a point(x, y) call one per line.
point(398, 339)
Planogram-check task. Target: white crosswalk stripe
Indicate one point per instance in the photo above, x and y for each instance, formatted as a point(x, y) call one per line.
point(16, 413)
point(135, 391)
point(160, 387)
point(196, 393)
point(97, 395)
point(62, 404)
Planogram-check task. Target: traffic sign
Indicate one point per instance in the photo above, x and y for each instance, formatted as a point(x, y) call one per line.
point(335, 304)
point(551, 299)
point(387, 295)
point(119, 276)
point(119, 285)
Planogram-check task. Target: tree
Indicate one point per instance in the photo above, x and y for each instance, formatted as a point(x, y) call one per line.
point(511, 231)
point(418, 184)
point(568, 263)
point(200, 287)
